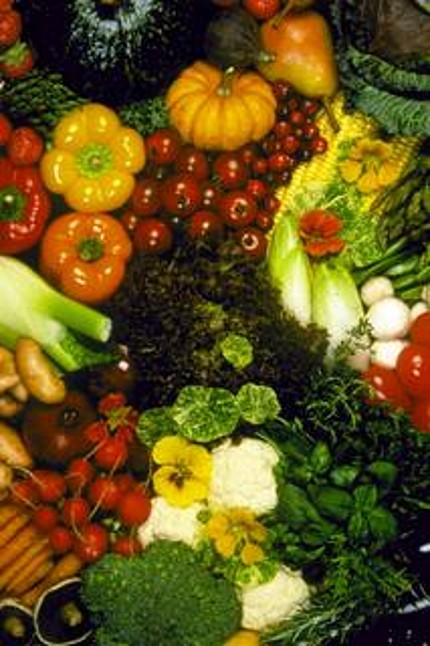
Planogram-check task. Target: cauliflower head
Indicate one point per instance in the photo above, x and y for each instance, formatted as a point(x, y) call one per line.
point(171, 523)
point(269, 604)
point(242, 476)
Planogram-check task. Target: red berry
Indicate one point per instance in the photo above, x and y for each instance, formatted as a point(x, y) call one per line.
point(111, 454)
point(252, 242)
point(91, 543)
point(259, 166)
point(256, 188)
point(264, 220)
point(61, 539)
point(152, 236)
point(79, 474)
point(238, 209)
point(318, 145)
point(45, 518)
point(134, 507)
point(278, 162)
point(192, 161)
point(282, 128)
point(230, 169)
point(5, 129)
point(181, 194)
point(76, 512)
point(146, 197)
point(262, 9)
point(50, 485)
point(163, 146)
point(126, 546)
point(104, 493)
point(272, 203)
point(247, 153)
point(310, 131)
point(290, 144)
point(282, 90)
point(297, 118)
point(204, 224)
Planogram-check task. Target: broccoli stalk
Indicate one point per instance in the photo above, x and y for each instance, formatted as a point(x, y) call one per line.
point(30, 307)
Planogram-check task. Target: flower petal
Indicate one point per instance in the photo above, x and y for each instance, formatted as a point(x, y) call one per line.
point(169, 450)
point(350, 170)
point(251, 553)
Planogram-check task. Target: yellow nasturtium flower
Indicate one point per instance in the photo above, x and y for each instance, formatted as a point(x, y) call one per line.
point(370, 165)
point(236, 532)
point(93, 159)
point(184, 471)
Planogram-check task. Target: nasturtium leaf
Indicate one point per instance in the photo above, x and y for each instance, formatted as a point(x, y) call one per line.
point(258, 404)
point(155, 423)
point(203, 414)
point(237, 350)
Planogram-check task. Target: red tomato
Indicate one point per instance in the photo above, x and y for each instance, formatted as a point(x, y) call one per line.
point(204, 224)
point(238, 209)
point(386, 387)
point(413, 369)
point(134, 507)
point(17, 60)
point(10, 27)
point(92, 542)
point(193, 161)
point(163, 146)
point(152, 236)
point(5, 129)
point(252, 242)
point(181, 194)
point(25, 146)
point(262, 9)
point(420, 329)
point(146, 197)
point(420, 416)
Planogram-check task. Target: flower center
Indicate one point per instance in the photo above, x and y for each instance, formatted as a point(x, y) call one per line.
point(94, 160)
point(181, 475)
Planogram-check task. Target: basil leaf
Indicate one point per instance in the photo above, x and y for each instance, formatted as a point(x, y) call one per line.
point(257, 404)
point(383, 525)
point(365, 497)
point(320, 458)
point(204, 414)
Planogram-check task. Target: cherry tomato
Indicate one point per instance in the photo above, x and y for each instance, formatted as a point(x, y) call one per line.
point(163, 146)
point(210, 195)
point(262, 9)
point(10, 27)
point(230, 170)
point(76, 512)
point(193, 161)
point(5, 129)
point(238, 209)
point(181, 194)
point(91, 543)
point(127, 546)
point(25, 146)
point(204, 224)
point(253, 242)
point(134, 507)
point(45, 518)
point(111, 454)
point(51, 485)
point(257, 188)
point(420, 416)
point(152, 236)
point(413, 369)
point(146, 197)
point(264, 220)
point(420, 329)
point(104, 493)
point(61, 539)
point(386, 387)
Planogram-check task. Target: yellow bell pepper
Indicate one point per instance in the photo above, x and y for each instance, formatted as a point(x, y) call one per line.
point(93, 159)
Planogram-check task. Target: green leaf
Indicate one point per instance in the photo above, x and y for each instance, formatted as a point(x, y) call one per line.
point(344, 475)
point(257, 404)
point(237, 350)
point(155, 423)
point(366, 497)
point(204, 414)
point(332, 502)
point(295, 507)
point(358, 527)
point(383, 525)
point(386, 472)
point(320, 458)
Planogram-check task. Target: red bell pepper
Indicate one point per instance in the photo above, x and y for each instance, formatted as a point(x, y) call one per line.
point(25, 206)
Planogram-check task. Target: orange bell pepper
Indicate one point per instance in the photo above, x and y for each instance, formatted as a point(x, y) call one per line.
point(85, 255)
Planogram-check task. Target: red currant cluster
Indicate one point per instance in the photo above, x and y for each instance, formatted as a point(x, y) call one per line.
point(188, 192)
point(96, 504)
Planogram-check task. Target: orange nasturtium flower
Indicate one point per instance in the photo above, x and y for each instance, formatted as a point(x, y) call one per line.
point(370, 165)
point(236, 532)
point(184, 470)
point(319, 231)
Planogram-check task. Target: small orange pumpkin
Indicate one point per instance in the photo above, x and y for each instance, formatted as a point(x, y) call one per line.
point(217, 110)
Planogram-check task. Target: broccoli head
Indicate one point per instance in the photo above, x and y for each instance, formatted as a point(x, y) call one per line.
point(162, 597)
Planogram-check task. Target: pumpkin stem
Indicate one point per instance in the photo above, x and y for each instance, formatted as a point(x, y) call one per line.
point(226, 86)
point(281, 15)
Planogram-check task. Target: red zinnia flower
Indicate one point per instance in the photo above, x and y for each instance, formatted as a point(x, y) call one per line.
point(318, 229)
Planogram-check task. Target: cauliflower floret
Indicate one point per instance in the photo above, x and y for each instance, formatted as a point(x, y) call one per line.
point(171, 523)
point(268, 604)
point(242, 476)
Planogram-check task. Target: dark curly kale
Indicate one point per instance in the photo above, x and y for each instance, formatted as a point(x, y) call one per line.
point(174, 314)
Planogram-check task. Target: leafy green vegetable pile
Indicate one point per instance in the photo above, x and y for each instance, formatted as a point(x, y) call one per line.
point(165, 596)
point(231, 329)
